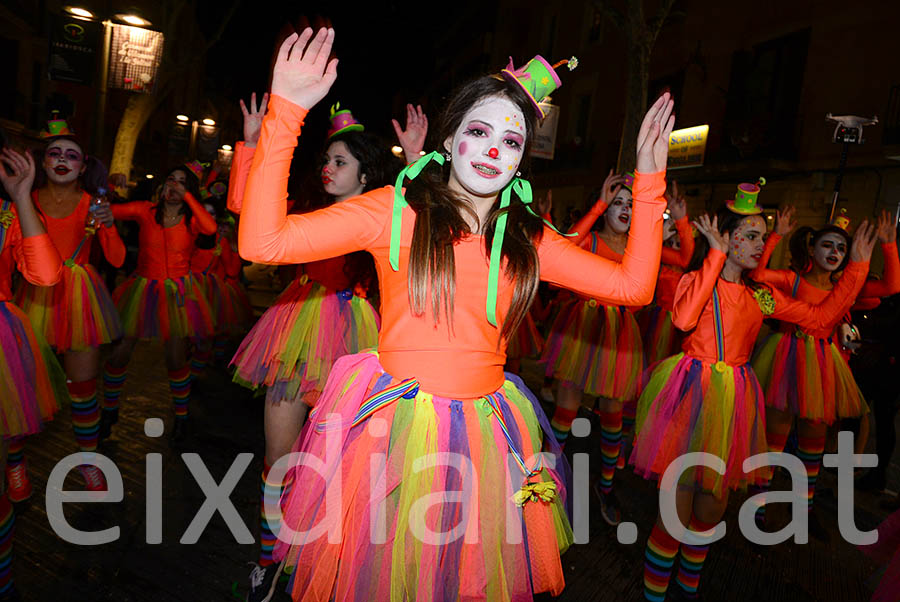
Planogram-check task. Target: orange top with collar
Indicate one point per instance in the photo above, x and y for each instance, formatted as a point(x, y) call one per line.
point(221, 260)
point(165, 252)
point(68, 232)
point(786, 279)
point(35, 256)
point(463, 359)
point(741, 315)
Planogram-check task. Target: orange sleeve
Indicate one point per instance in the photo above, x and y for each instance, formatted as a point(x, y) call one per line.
point(825, 314)
point(230, 259)
point(112, 245)
point(865, 303)
point(201, 222)
point(629, 282)
point(782, 279)
point(890, 282)
point(681, 257)
point(266, 234)
point(583, 227)
point(133, 211)
point(237, 180)
point(695, 289)
point(37, 258)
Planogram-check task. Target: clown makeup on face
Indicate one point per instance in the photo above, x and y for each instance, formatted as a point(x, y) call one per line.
point(618, 215)
point(487, 147)
point(63, 161)
point(745, 245)
point(340, 172)
point(829, 251)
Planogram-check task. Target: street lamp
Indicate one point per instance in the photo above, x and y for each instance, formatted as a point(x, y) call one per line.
point(209, 121)
point(135, 20)
point(182, 118)
point(77, 11)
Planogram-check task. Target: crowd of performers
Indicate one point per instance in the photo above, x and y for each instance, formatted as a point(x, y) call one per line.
point(415, 287)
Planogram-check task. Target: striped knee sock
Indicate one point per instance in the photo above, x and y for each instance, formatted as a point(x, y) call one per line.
point(268, 525)
point(658, 560)
point(85, 413)
point(691, 560)
point(219, 349)
point(810, 450)
point(562, 422)
point(775, 443)
point(610, 446)
point(16, 453)
point(7, 522)
point(199, 361)
point(113, 383)
point(180, 386)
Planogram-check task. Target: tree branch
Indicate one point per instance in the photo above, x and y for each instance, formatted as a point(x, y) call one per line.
point(656, 23)
point(226, 19)
point(611, 13)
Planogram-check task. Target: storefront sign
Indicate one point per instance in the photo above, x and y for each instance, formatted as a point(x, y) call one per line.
point(73, 49)
point(134, 58)
point(687, 147)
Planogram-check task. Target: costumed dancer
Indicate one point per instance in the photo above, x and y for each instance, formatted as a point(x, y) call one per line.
point(324, 313)
point(707, 398)
point(161, 300)
point(76, 315)
point(436, 383)
point(803, 372)
point(31, 380)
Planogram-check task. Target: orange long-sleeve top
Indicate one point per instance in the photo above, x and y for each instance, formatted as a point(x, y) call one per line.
point(220, 260)
point(463, 359)
point(785, 280)
point(68, 232)
point(741, 315)
point(35, 256)
point(165, 252)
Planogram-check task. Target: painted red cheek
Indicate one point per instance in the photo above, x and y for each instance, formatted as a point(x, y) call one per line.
point(462, 148)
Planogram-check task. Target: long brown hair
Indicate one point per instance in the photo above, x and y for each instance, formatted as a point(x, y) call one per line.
point(440, 221)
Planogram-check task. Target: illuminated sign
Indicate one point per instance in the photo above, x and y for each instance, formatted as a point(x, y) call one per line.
point(687, 147)
point(134, 58)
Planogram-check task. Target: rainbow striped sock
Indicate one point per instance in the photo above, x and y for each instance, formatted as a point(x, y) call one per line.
point(7, 524)
point(113, 383)
point(561, 423)
point(16, 453)
point(691, 560)
point(85, 413)
point(180, 386)
point(610, 446)
point(810, 450)
point(199, 362)
point(658, 560)
point(775, 443)
point(268, 525)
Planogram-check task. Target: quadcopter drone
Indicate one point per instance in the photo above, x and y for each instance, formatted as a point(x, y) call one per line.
point(850, 127)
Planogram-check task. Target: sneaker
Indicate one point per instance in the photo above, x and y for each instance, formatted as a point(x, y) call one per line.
point(19, 485)
point(107, 419)
point(609, 506)
point(93, 477)
point(547, 395)
point(262, 582)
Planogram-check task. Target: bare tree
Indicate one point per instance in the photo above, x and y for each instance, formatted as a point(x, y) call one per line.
point(182, 53)
point(640, 36)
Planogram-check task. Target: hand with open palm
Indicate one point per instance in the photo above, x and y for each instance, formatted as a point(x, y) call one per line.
point(303, 74)
point(653, 137)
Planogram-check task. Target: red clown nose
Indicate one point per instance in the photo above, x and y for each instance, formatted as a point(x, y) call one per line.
point(493, 153)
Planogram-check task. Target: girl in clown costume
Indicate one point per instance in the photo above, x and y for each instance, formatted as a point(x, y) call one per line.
point(803, 372)
point(707, 398)
point(436, 383)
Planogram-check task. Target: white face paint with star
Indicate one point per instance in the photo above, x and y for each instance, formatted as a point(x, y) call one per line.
point(488, 147)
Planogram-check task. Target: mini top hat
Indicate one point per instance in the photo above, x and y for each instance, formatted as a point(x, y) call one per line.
point(56, 127)
point(195, 168)
point(537, 78)
point(342, 120)
point(841, 221)
point(744, 201)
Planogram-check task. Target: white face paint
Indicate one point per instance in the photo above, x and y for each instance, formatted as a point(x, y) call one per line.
point(829, 251)
point(487, 148)
point(63, 161)
point(618, 214)
point(745, 245)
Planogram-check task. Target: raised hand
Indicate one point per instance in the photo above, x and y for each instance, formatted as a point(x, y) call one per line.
point(253, 118)
point(653, 137)
point(303, 74)
point(676, 203)
point(863, 242)
point(103, 214)
point(709, 228)
point(784, 221)
point(887, 229)
point(17, 174)
point(611, 187)
point(412, 139)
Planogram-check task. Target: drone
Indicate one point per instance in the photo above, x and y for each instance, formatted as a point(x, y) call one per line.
point(849, 127)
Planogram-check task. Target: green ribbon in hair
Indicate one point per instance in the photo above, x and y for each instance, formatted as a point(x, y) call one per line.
point(521, 187)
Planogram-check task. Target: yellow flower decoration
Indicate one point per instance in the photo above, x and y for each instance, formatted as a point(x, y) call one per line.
point(6, 218)
point(765, 301)
point(545, 491)
point(545, 80)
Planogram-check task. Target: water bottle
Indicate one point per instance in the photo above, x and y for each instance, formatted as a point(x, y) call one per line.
point(96, 202)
